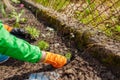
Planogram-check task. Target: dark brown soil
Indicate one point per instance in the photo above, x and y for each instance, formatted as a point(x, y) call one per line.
point(81, 67)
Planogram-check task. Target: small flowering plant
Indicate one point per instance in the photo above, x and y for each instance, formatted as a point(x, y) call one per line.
point(21, 5)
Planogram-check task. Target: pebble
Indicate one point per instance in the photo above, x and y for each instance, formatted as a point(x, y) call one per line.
point(69, 71)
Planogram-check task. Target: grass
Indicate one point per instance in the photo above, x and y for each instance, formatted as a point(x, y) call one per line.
point(33, 32)
point(91, 15)
point(54, 4)
point(117, 28)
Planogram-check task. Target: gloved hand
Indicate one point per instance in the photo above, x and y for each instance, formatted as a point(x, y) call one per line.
point(55, 60)
point(20, 33)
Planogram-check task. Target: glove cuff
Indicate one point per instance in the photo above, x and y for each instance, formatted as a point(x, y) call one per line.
point(8, 28)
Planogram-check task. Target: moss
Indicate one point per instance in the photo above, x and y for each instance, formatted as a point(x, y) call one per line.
point(82, 38)
point(106, 57)
point(86, 36)
point(112, 60)
point(78, 39)
point(95, 54)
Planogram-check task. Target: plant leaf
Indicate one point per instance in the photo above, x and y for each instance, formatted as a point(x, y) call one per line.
point(68, 56)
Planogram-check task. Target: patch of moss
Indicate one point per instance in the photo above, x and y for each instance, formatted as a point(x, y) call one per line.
point(106, 58)
point(43, 45)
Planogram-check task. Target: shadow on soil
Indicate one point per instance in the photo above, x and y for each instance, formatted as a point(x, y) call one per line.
point(13, 63)
point(26, 75)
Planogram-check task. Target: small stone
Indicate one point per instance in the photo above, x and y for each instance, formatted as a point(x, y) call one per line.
point(65, 48)
point(50, 29)
point(65, 78)
point(98, 78)
point(69, 71)
point(71, 77)
point(60, 71)
point(56, 44)
point(43, 35)
point(79, 74)
point(82, 77)
point(109, 75)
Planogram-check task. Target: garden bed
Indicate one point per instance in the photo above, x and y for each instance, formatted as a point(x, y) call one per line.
point(82, 67)
point(99, 45)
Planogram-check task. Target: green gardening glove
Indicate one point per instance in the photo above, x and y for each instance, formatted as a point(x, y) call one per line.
point(20, 33)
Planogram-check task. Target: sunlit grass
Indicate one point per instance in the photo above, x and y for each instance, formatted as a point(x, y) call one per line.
point(54, 4)
point(95, 17)
point(91, 14)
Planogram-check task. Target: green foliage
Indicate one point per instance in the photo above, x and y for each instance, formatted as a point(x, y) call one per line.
point(87, 11)
point(108, 32)
point(55, 4)
point(68, 55)
point(43, 45)
point(2, 10)
point(117, 28)
point(61, 4)
point(16, 1)
point(86, 15)
point(93, 13)
point(23, 20)
point(17, 17)
point(33, 31)
point(88, 1)
point(93, 16)
point(113, 32)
